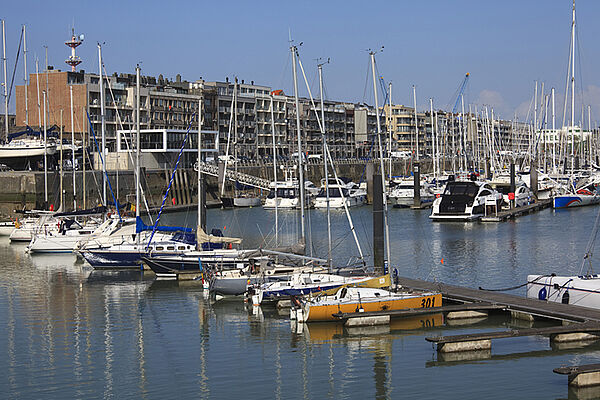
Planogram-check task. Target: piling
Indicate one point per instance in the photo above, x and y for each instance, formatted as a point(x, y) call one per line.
point(534, 178)
point(370, 170)
point(513, 185)
point(417, 185)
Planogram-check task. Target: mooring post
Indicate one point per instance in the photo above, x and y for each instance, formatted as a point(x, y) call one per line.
point(513, 186)
point(417, 185)
point(370, 170)
point(534, 178)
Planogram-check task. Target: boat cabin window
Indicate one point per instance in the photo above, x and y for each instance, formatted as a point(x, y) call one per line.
point(461, 188)
point(333, 192)
point(343, 293)
point(170, 247)
point(485, 192)
point(181, 248)
point(159, 248)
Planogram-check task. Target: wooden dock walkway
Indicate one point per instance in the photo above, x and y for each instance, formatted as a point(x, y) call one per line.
point(565, 312)
point(515, 212)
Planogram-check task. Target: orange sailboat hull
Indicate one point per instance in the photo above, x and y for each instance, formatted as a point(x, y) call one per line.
point(324, 312)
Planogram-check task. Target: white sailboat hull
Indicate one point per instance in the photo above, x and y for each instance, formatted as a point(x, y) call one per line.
point(338, 202)
point(575, 200)
point(577, 290)
point(270, 203)
point(246, 201)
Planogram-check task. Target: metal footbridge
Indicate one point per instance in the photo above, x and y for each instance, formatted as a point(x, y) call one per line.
point(234, 176)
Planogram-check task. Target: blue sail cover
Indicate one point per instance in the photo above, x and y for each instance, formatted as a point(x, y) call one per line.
point(50, 132)
point(140, 226)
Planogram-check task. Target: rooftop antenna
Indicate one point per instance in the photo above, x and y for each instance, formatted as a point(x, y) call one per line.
point(75, 41)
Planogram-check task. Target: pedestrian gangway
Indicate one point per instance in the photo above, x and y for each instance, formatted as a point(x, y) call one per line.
point(235, 176)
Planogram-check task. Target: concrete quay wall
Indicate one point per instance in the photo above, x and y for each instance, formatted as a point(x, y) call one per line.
point(26, 189)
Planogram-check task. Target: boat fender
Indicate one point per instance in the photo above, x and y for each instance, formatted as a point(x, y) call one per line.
point(542, 294)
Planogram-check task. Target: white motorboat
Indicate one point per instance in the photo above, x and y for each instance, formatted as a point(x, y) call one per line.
point(402, 192)
point(288, 194)
point(522, 194)
point(466, 201)
point(340, 191)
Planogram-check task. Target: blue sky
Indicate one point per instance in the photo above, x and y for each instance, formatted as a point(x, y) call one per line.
point(504, 45)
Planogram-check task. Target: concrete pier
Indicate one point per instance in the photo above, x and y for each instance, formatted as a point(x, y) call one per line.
point(581, 375)
point(368, 321)
point(474, 345)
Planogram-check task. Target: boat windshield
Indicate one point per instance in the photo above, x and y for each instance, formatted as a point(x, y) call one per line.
point(461, 188)
point(333, 192)
point(284, 193)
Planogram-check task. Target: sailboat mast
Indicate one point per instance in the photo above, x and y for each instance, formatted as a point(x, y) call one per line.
point(5, 83)
point(201, 192)
point(385, 222)
point(294, 51)
point(83, 156)
point(390, 128)
point(137, 144)
point(553, 134)
point(37, 79)
point(45, 155)
point(26, 77)
point(62, 193)
point(433, 150)
point(326, 175)
point(274, 171)
point(103, 123)
point(235, 134)
point(573, 90)
point(73, 148)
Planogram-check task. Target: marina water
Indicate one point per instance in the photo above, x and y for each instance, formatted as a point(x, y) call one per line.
point(72, 332)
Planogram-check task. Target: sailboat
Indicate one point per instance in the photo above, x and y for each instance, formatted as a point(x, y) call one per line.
point(124, 247)
point(364, 299)
point(586, 192)
point(582, 290)
point(242, 197)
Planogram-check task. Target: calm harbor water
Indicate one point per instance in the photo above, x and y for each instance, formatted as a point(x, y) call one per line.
point(71, 332)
